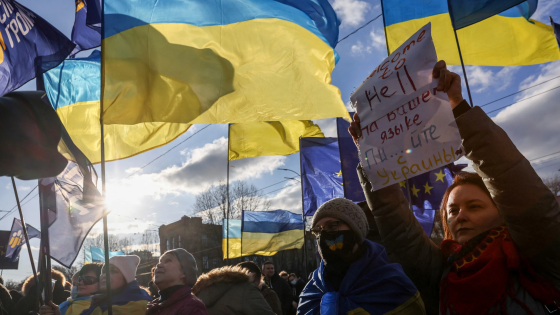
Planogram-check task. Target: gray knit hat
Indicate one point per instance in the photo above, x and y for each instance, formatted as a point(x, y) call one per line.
point(188, 263)
point(347, 211)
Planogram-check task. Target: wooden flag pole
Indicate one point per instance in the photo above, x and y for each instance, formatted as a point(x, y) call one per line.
point(24, 227)
point(303, 215)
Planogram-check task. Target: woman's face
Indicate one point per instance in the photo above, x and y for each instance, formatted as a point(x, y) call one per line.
point(88, 284)
point(470, 211)
point(117, 279)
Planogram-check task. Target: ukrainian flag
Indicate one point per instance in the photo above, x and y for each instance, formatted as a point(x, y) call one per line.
point(506, 39)
point(272, 138)
point(219, 61)
point(74, 90)
point(233, 238)
point(267, 232)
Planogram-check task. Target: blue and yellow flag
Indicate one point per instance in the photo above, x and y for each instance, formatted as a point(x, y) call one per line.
point(506, 39)
point(233, 238)
point(17, 239)
point(349, 161)
point(219, 61)
point(267, 232)
point(83, 35)
point(321, 172)
point(94, 254)
point(254, 139)
point(25, 40)
point(465, 13)
point(74, 90)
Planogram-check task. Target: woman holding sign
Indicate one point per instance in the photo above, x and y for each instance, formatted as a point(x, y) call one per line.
point(502, 225)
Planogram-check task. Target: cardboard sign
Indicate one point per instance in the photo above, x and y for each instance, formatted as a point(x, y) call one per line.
point(408, 127)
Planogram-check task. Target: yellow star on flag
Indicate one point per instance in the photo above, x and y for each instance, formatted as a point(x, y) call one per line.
point(403, 184)
point(338, 174)
point(415, 191)
point(427, 188)
point(440, 176)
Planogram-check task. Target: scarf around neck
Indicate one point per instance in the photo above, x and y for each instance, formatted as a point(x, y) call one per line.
point(480, 277)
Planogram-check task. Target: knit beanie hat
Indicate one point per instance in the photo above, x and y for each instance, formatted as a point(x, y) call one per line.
point(127, 265)
point(347, 211)
point(188, 263)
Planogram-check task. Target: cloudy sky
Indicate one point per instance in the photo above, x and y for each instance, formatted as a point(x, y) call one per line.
point(165, 190)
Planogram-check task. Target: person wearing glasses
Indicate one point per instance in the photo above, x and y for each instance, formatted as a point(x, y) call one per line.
point(85, 283)
point(355, 275)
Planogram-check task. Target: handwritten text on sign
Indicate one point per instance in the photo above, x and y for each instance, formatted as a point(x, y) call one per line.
point(408, 127)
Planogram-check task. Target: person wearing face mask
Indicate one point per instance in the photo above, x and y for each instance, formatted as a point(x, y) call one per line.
point(502, 225)
point(297, 285)
point(85, 283)
point(355, 275)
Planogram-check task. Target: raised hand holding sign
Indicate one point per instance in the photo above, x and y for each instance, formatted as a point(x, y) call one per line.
point(407, 125)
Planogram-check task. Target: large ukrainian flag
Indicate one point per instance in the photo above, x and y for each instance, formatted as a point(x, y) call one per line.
point(74, 90)
point(506, 39)
point(219, 61)
point(267, 232)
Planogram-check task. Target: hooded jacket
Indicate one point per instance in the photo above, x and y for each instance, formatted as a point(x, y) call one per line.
point(182, 302)
point(529, 209)
point(271, 298)
point(131, 301)
point(227, 291)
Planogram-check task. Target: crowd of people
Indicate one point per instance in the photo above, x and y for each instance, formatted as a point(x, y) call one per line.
point(500, 254)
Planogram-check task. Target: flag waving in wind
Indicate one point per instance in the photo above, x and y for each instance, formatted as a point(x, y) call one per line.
point(17, 239)
point(83, 35)
point(25, 40)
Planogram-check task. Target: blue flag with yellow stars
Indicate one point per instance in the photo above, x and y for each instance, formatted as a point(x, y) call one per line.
point(321, 173)
point(25, 41)
point(349, 160)
point(427, 191)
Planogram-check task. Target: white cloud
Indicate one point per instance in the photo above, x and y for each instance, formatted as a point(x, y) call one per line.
point(288, 198)
point(378, 39)
point(358, 49)
point(328, 126)
point(174, 203)
point(133, 170)
point(351, 12)
point(203, 167)
point(485, 78)
point(533, 124)
point(544, 10)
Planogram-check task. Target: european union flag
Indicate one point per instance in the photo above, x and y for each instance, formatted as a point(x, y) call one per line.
point(26, 40)
point(426, 192)
point(349, 160)
point(95, 254)
point(321, 172)
point(17, 239)
point(83, 35)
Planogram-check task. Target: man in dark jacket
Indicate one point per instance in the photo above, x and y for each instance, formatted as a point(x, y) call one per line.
point(297, 285)
point(279, 285)
point(175, 274)
point(268, 294)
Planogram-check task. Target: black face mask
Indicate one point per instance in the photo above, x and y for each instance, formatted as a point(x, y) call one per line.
point(336, 246)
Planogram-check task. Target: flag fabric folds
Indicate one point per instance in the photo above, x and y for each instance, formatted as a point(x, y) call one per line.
point(25, 39)
point(74, 90)
point(17, 239)
point(219, 61)
point(349, 161)
point(269, 138)
point(465, 13)
point(321, 172)
point(93, 17)
point(84, 36)
point(95, 254)
point(6, 263)
point(233, 238)
point(267, 232)
point(506, 39)
point(556, 28)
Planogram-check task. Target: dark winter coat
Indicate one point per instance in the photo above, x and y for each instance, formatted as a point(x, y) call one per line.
point(182, 302)
point(227, 291)
point(528, 207)
point(296, 289)
point(271, 298)
point(283, 290)
point(6, 300)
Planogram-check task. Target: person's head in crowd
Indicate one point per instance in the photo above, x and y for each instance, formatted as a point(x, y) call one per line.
point(254, 271)
point(284, 275)
point(175, 267)
point(30, 281)
point(467, 208)
point(268, 269)
point(87, 279)
point(340, 227)
point(293, 278)
point(122, 270)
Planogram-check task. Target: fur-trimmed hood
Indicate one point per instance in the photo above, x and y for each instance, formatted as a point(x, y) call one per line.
point(215, 285)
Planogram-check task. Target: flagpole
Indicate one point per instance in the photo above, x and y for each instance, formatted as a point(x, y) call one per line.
point(227, 210)
point(460, 54)
point(105, 229)
point(25, 235)
point(303, 214)
point(45, 246)
point(384, 28)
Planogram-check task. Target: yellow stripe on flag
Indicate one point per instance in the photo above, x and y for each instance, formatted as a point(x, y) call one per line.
point(271, 243)
point(269, 138)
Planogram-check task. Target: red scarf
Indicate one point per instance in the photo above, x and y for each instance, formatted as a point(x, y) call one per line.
point(480, 279)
